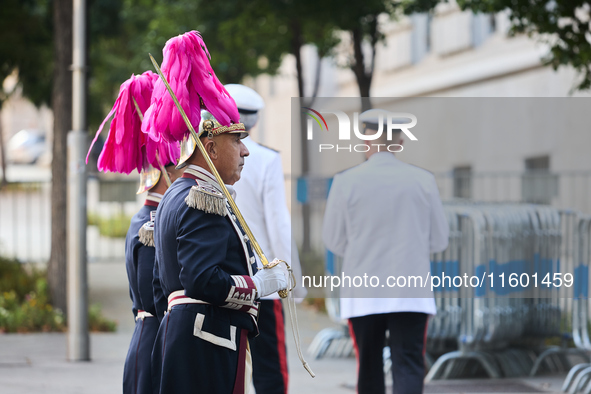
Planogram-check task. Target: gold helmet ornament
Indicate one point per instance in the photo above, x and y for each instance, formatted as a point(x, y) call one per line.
point(210, 127)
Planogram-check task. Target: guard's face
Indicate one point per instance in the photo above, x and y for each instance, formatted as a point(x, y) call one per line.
point(228, 156)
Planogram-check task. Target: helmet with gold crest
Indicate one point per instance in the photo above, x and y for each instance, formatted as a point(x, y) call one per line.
point(205, 101)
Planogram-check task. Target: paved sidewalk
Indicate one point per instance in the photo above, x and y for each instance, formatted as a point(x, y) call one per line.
point(36, 363)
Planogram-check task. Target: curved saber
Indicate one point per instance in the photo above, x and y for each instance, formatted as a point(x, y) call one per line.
point(214, 171)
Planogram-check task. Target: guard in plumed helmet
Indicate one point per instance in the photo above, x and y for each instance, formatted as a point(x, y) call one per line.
point(139, 262)
point(261, 199)
point(205, 262)
point(125, 150)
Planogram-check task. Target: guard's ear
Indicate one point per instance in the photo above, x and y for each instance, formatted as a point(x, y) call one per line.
point(210, 147)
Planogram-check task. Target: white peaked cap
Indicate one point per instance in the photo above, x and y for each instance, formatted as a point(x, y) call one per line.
point(245, 97)
point(371, 118)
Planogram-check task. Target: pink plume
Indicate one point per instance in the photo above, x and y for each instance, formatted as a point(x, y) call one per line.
point(126, 147)
point(187, 69)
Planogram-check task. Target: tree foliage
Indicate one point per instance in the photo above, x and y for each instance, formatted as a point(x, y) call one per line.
point(249, 38)
point(26, 46)
point(565, 25)
point(360, 20)
point(243, 38)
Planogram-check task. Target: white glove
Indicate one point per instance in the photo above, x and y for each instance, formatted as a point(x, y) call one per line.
point(270, 280)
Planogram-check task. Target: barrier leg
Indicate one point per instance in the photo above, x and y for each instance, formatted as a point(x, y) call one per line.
point(571, 376)
point(541, 358)
point(485, 360)
point(581, 379)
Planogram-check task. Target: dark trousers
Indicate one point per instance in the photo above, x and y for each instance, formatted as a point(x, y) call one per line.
point(137, 373)
point(183, 363)
point(407, 344)
point(269, 360)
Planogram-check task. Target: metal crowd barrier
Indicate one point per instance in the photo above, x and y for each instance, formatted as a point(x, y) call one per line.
point(497, 242)
point(500, 331)
point(579, 377)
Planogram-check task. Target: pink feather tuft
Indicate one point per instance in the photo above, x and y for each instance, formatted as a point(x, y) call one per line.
point(187, 69)
point(127, 148)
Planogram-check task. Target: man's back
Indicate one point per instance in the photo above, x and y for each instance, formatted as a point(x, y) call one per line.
point(385, 217)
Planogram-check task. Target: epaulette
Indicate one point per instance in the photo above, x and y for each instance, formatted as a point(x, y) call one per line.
point(206, 198)
point(146, 234)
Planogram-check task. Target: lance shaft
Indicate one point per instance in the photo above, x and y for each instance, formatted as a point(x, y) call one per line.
point(214, 171)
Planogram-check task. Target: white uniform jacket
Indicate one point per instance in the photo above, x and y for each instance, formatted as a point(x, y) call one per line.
point(261, 200)
point(385, 217)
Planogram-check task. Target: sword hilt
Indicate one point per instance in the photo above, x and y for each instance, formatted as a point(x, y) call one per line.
point(285, 292)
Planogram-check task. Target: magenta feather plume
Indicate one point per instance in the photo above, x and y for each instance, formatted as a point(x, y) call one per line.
point(187, 69)
point(126, 147)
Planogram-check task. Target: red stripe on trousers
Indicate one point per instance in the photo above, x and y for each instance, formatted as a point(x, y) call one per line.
point(280, 333)
point(239, 384)
point(352, 333)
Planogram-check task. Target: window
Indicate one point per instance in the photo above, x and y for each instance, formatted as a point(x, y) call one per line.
point(538, 163)
point(420, 37)
point(482, 27)
point(462, 182)
point(538, 185)
point(493, 23)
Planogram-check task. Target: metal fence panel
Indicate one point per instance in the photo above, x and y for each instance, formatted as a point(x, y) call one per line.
point(25, 219)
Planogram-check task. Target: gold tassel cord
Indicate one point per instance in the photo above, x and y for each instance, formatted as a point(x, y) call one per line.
point(255, 244)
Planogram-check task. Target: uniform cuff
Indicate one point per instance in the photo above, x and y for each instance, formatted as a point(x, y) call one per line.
point(243, 292)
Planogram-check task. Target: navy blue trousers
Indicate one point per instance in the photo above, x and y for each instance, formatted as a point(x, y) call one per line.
point(137, 373)
point(184, 362)
point(407, 344)
point(269, 355)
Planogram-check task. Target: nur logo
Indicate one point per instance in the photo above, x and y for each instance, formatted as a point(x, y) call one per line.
point(318, 115)
point(392, 122)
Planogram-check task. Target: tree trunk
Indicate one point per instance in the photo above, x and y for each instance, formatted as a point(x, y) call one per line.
point(317, 78)
point(2, 156)
point(361, 75)
point(61, 100)
point(296, 46)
